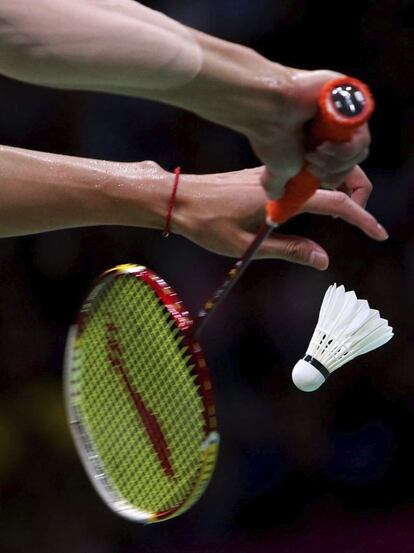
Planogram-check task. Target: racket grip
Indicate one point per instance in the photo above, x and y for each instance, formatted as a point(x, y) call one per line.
point(344, 105)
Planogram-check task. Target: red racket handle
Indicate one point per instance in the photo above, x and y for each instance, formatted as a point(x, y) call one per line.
point(344, 105)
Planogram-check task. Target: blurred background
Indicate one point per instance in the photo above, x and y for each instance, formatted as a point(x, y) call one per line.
point(297, 472)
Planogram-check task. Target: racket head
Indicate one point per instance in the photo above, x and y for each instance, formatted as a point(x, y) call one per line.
point(139, 397)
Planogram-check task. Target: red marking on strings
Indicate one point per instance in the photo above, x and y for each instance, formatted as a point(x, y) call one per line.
point(148, 418)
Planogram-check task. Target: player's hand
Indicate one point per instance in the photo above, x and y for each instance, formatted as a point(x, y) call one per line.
point(222, 213)
point(280, 144)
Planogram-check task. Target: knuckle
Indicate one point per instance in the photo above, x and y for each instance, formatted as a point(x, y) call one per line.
point(296, 251)
point(368, 186)
point(340, 198)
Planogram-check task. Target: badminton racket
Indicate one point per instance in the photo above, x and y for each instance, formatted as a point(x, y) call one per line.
point(139, 396)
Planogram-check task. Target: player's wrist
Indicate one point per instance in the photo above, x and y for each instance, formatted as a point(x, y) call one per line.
point(276, 99)
point(262, 99)
point(188, 213)
point(138, 194)
point(235, 87)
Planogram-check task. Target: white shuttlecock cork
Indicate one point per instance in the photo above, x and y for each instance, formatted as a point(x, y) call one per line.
point(347, 327)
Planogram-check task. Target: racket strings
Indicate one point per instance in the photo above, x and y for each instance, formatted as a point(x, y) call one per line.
point(117, 366)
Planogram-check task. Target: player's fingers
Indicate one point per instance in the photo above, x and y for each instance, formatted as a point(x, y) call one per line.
point(338, 204)
point(295, 249)
point(330, 164)
point(331, 160)
point(358, 186)
point(359, 142)
point(331, 181)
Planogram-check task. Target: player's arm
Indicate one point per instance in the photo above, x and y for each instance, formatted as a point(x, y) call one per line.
point(41, 192)
point(221, 212)
point(120, 46)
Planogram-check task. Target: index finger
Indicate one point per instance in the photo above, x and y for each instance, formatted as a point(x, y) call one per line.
point(338, 204)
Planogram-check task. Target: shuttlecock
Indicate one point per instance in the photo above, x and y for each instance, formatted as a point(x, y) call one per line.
point(346, 328)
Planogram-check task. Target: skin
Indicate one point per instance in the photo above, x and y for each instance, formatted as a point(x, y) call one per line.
point(227, 215)
point(74, 44)
point(220, 212)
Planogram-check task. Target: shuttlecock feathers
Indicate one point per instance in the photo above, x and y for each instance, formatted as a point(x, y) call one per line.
point(347, 327)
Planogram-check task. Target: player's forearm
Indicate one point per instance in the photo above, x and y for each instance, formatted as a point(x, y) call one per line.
point(103, 45)
point(120, 46)
point(41, 192)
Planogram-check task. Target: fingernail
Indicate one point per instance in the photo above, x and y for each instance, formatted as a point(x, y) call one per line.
point(318, 260)
point(383, 232)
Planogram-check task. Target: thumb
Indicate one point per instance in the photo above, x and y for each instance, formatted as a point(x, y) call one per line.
point(307, 88)
point(295, 249)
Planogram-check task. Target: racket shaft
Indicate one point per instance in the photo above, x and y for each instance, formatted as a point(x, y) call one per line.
point(329, 124)
point(231, 279)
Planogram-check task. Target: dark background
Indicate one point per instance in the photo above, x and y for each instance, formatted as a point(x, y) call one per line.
point(332, 470)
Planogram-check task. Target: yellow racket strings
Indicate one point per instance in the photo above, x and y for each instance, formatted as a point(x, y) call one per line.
point(137, 396)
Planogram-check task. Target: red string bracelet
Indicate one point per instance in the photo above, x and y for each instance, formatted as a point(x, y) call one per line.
point(167, 227)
